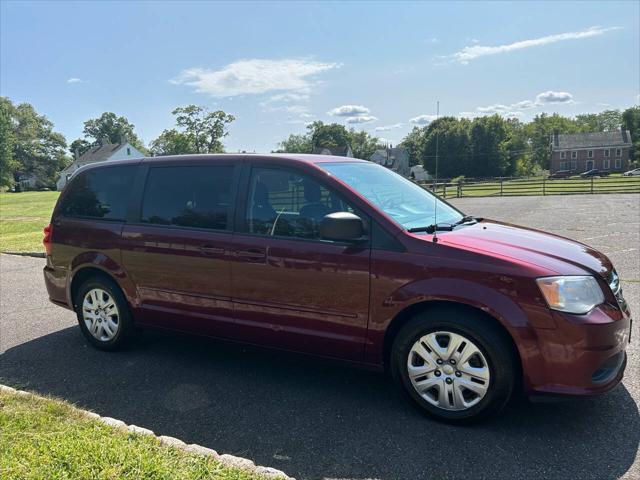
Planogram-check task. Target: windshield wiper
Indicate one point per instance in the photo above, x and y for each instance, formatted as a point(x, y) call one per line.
point(438, 227)
point(467, 219)
point(445, 227)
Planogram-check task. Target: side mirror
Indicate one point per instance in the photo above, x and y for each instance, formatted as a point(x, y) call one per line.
point(342, 227)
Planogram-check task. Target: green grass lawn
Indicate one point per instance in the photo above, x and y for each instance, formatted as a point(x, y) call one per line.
point(41, 438)
point(612, 184)
point(22, 218)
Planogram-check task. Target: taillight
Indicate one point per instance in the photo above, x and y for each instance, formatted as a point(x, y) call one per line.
point(46, 241)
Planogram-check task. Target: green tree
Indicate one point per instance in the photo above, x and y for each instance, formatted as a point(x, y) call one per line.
point(631, 122)
point(450, 138)
point(204, 129)
point(36, 149)
point(296, 143)
point(7, 164)
point(599, 122)
point(489, 147)
point(329, 135)
point(172, 142)
point(80, 145)
point(412, 143)
point(109, 125)
point(363, 145)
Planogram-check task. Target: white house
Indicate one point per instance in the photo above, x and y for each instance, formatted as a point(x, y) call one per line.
point(99, 152)
point(418, 173)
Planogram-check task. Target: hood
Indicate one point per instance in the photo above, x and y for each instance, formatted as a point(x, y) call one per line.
point(559, 255)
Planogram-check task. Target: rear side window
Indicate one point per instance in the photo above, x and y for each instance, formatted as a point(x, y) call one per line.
point(100, 193)
point(197, 197)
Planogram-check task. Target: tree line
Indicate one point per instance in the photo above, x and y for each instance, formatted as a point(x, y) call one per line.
point(29, 146)
point(488, 146)
point(480, 147)
point(493, 146)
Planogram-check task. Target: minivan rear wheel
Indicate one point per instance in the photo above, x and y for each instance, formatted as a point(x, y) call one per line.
point(454, 364)
point(103, 314)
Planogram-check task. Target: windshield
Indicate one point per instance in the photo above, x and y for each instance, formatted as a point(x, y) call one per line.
point(407, 203)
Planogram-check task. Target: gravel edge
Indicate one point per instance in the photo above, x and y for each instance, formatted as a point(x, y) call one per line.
point(225, 459)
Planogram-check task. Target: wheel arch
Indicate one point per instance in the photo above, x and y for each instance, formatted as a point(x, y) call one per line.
point(411, 311)
point(82, 274)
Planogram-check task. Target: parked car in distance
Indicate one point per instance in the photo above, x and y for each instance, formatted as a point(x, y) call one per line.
point(560, 174)
point(632, 173)
point(340, 258)
point(594, 172)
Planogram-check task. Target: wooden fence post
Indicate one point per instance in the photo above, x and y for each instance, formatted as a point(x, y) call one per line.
point(444, 191)
point(544, 186)
point(591, 184)
point(501, 182)
point(459, 190)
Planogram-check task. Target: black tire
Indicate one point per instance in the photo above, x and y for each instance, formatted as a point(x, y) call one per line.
point(126, 330)
point(490, 339)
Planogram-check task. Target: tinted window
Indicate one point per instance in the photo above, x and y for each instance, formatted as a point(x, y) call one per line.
point(197, 197)
point(100, 193)
point(285, 203)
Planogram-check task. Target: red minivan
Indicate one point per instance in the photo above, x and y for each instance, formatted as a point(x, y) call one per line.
point(340, 258)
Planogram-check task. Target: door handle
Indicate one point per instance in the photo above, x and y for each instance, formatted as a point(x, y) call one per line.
point(211, 250)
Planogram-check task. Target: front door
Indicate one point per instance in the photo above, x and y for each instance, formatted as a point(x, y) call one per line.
point(290, 288)
point(177, 249)
point(589, 165)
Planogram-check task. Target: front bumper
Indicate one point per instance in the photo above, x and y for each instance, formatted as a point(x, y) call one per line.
point(584, 355)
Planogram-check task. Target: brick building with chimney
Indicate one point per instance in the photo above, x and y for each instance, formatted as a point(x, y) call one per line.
point(581, 152)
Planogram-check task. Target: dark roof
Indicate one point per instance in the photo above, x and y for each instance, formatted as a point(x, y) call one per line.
point(614, 138)
point(98, 153)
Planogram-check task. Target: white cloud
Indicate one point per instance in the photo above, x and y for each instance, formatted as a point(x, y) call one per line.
point(75, 80)
point(497, 108)
point(254, 76)
point(431, 40)
point(554, 97)
point(361, 119)
point(524, 105)
point(297, 109)
point(422, 119)
point(516, 109)
point(385, 128)
point(349, 110)
point(469, 115)
point(473, 52)
point(288, 97)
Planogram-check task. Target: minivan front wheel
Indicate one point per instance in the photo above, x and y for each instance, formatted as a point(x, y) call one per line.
point(454, 364)
point(103, 313)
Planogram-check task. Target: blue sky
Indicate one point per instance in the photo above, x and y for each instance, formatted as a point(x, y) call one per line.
point(374, 66)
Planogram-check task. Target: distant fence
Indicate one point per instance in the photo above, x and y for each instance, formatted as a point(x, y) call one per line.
point(508, 187)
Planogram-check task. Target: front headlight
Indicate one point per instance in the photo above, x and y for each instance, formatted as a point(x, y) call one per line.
point(574, 294)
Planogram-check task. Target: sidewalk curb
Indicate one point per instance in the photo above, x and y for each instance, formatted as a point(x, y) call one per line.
point(225, 459)
point(26, 254)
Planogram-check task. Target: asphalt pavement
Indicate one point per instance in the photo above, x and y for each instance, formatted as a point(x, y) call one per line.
point(315, 419)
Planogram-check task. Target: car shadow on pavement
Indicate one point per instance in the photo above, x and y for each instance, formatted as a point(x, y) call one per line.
point(317, 419)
